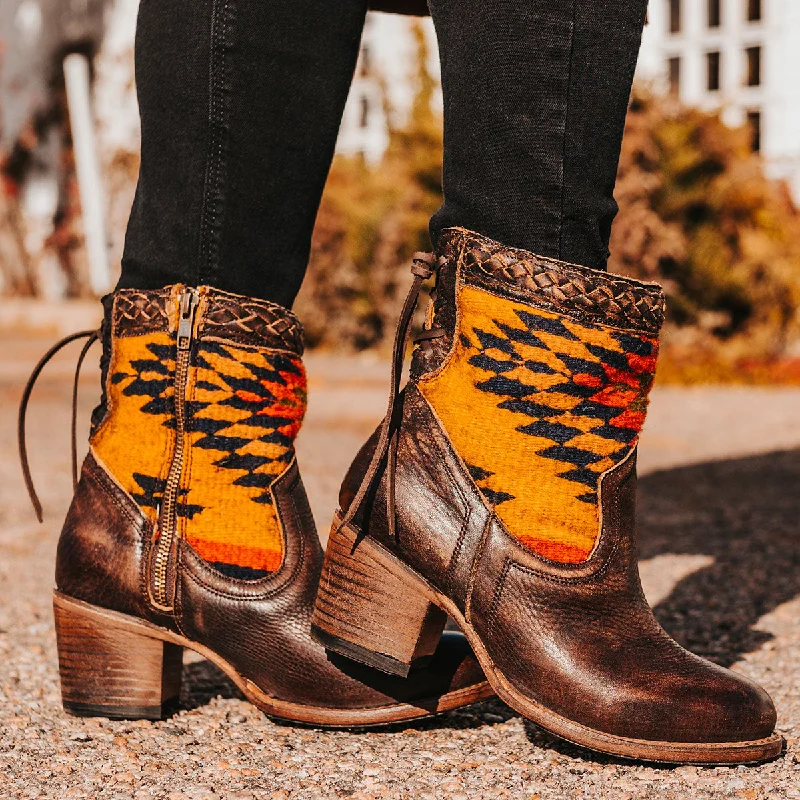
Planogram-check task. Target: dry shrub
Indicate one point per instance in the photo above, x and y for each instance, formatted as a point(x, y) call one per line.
point(698, 215)
point(369, 224)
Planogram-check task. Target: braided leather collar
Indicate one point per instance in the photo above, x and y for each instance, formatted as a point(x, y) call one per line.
point(225, 316)
point(136, 311)
point(588, 294)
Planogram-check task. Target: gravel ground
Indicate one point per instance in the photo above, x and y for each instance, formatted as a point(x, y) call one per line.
point(719, 510)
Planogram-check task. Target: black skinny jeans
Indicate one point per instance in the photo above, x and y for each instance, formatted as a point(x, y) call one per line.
point(241, 102)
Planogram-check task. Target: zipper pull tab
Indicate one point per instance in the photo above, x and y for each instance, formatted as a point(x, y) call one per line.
point(189, 301)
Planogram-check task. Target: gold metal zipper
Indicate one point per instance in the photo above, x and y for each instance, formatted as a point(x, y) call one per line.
point(168, 514)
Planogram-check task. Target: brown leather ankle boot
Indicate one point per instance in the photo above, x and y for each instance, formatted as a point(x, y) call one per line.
point(500, 490)
point(190, 527)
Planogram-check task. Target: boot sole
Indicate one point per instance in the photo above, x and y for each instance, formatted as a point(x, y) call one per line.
point(117, 666)
point(360, 574)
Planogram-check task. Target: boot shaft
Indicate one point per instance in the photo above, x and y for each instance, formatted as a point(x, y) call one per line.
point(501, 489)
point(204, 393)
point(541, 381)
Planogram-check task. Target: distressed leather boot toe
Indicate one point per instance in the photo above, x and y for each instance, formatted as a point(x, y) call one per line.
point(190, 527)
point(500, 489)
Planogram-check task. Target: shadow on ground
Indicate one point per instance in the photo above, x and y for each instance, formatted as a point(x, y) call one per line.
point(202, 682)
point(744, 513)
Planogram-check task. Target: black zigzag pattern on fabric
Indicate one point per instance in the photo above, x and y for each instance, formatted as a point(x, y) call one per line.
point(250, 396)
point(152, 490)
point(154, 388)
point(238, 572)
point(499, 355)
point(494, 497)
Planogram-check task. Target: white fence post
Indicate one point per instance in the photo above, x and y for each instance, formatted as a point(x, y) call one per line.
point(90, 187)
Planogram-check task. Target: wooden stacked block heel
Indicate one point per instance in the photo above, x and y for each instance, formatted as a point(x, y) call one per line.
point(370, 608)
point(111, 667)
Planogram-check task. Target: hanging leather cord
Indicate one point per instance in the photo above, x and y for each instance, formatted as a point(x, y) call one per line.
point(427, 336)
point(74, 430)
point(92, 336)
point(423, 265)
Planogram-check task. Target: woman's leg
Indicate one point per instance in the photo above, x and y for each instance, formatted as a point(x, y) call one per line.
point(535, 96)
point(240, 102)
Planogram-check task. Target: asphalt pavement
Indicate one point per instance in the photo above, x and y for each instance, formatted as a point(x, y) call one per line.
point(719, 525)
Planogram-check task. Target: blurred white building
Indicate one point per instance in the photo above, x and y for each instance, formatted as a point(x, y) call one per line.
point(364, 125)
point(382, 83)
point(739, 56)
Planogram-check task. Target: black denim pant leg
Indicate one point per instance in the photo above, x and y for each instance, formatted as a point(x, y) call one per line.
point(240, 102)
point(535, 97)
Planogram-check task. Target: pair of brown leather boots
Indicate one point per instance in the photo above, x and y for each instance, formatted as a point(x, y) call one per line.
point(499, 490)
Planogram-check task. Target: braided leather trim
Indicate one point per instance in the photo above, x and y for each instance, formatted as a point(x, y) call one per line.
point(226, 316)
point(590, 294)
point(140, 311)
point(257, 323)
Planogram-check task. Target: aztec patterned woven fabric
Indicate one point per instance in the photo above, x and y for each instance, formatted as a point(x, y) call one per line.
point(245, 409)
point(137, 435)
point(539, 405)
point(244, 406)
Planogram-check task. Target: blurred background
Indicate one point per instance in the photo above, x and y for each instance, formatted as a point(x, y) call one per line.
point(709, 188)
point(709, 180)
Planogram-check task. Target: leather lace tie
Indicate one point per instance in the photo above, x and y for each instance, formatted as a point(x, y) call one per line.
point(423, 266)
point(92, 337)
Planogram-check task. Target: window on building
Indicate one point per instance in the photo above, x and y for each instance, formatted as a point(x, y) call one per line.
point(674, 16)
point(714, 13)
point(364, 121)
point(753, 56)
point(754, 123)
point(753, 10)
point(365, 67)
point(674, 75)
point(712, 71)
